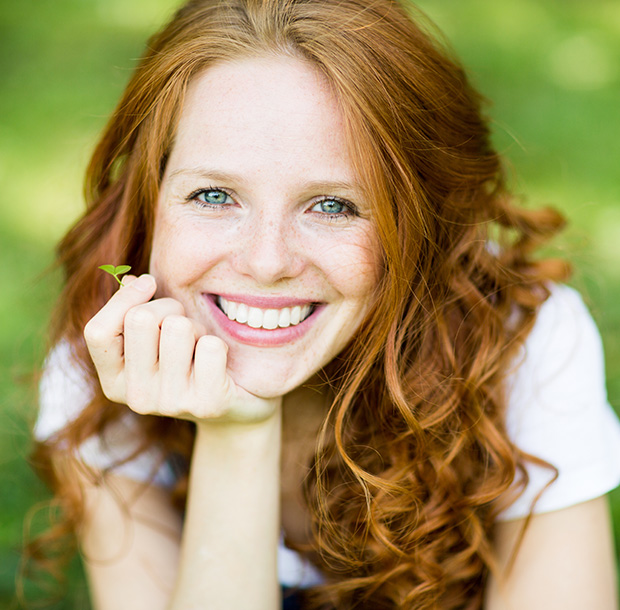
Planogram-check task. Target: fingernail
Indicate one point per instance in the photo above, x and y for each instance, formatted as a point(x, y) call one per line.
point(144, 283)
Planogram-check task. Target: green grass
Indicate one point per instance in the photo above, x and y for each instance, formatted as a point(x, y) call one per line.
point(549, 66)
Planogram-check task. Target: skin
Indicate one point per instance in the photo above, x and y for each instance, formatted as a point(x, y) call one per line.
point(294, 226)
point(259, 203)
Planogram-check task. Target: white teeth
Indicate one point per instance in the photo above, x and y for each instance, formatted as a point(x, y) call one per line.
point(271, 318)
point(242, 313)
point(285, 318)
point(255, 317)
point(295, 315)
point(268, 319)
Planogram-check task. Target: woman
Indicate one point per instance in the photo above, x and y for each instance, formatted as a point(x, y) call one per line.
point(338, 367)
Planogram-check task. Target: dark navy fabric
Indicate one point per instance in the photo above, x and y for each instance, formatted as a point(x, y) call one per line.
point(291, 600)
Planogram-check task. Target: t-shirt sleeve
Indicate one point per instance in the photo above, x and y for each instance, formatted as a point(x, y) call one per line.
point(64, 392)
point(558, 409)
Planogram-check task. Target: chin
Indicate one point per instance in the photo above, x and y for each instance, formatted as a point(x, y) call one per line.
point(268, 381)
point(266, 386)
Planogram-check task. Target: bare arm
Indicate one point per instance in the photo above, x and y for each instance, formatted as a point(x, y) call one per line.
point(565, 562)
point(132, 535)
point(130, 541)
point(154, 359)
point(230, 542)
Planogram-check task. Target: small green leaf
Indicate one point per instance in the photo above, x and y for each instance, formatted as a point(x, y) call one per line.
point(115, 271)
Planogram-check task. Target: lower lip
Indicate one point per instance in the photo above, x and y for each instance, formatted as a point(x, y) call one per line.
point(261, 337)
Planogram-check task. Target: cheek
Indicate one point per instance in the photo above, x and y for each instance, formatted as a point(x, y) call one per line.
point(354, 267)
point(163, 250)
point(179, 252)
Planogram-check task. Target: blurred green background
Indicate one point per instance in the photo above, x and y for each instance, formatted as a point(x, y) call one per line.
point(551, 68)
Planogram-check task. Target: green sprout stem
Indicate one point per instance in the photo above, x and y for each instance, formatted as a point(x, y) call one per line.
point(115, 272)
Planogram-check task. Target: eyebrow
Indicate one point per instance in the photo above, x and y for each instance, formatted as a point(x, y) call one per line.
point(205, 173)
point(313, 186)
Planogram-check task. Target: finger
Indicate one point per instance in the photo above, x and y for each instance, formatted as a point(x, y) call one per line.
point(177, 342)
point(210, 377)
point(126, 280)
point(108, 323)
point(141, 343)
point(104, 333)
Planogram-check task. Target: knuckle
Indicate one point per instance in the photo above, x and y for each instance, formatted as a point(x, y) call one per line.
point(166, 409)
point(173, 306)
point(218, 411)
point(166, 401)
point(110, 391)
point(210, 406)
point(137, 400)
point(95, 333)
point(177, 324)
point(140, 318)
point(212, 343)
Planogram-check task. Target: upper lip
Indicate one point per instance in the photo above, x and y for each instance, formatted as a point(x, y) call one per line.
point(264, 302)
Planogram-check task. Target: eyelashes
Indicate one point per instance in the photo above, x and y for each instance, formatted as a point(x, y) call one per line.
point(331, 208)
point(334, 207)
point(211, 198)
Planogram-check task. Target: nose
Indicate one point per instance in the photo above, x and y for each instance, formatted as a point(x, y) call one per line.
point(269, 249)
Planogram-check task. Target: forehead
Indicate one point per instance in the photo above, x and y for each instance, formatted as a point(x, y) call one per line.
point(263, 112)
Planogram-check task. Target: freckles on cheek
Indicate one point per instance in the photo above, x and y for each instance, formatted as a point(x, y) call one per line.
point(167, 250)
point(358, 267)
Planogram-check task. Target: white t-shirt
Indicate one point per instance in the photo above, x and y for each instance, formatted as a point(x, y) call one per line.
point(557, 410)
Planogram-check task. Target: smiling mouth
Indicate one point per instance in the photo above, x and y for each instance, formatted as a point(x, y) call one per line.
point(268, 319)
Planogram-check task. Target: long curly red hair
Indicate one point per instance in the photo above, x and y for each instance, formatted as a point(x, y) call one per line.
point(413, 462)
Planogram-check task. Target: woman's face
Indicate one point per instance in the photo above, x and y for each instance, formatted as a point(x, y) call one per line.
point(262, 231)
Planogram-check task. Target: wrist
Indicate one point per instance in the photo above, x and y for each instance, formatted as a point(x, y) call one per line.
point(244, 436)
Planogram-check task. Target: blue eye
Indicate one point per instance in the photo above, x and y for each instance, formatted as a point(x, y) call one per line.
point(333, 207)
point(212, 197)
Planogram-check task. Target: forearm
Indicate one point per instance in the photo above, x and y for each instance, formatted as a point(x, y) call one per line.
point(565, 560)
point(230, 539)
point(150, 356)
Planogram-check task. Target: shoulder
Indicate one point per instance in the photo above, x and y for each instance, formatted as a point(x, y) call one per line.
point(64, 391)
point(560, 367)
point(563, 325)
point(557, 407)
